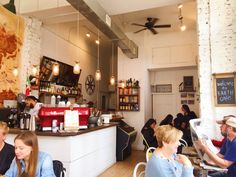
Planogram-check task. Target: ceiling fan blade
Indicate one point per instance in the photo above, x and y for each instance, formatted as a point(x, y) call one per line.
point(153, 31)
point(140, 30)
point(162, 26)
point(154, 20)
point(136, 24)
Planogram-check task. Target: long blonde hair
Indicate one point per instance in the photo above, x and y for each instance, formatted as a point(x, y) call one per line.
point(29, 139)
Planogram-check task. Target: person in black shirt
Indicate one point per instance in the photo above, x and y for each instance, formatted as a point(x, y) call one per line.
point(148, 133)
point(168, 120)
point(7, 151)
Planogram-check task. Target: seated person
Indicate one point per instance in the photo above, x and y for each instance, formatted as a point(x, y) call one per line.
point(168, 120)
point(178, 120)
point(165, 162)
point(226, 158)
point(7, 153)
point(218, 143)
point(148, 133)
point(29, 161)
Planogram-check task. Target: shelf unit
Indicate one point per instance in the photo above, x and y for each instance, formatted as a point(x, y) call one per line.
point(128, 98)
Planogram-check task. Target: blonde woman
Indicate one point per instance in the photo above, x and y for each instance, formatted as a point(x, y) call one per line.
point(7, 153)
point(29, 162)
point(164, 161)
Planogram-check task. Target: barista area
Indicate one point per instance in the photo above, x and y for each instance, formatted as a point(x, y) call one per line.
point(62, 112)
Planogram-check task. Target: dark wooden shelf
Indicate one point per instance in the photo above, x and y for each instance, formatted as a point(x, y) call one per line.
point(129, 95)
point(63, 95)
point(187, 90)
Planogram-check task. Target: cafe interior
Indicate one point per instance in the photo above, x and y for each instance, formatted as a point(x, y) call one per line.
point(102, 68)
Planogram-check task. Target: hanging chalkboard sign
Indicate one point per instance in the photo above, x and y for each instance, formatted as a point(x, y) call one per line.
point(225, 85)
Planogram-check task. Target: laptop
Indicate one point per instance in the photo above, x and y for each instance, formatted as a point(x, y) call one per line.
point(197, 133)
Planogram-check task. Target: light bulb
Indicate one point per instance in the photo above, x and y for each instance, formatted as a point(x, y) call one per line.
point(34, 70)
point(183, 28)
point(76, 69)
point(98, 75)
point(112, 80)
point(55, 69)
point(97, 42)
point(15, 72)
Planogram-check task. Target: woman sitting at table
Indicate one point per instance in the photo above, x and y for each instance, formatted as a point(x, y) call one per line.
point(29, 162)
point(165, 162)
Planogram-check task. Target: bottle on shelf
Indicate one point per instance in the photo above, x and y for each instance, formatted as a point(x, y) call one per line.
point(53, 100)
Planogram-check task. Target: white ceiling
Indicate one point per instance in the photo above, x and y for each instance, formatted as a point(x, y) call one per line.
point(115, 7)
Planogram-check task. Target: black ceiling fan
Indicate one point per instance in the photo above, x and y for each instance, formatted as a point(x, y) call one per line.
point(150, 25)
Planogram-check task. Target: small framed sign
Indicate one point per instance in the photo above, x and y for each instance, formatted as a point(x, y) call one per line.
point(224, 89)
point(164, 88)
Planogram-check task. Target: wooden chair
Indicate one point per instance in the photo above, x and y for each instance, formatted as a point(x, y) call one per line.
point(137, 172)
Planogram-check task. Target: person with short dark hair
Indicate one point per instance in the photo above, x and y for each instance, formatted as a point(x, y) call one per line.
point(168, 120)
point(148, 133)
point(34, 105)
point(7, 153)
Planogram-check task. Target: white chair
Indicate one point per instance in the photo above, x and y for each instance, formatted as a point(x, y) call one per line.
point(183, 143)
point(141, 173)
point(149, 152)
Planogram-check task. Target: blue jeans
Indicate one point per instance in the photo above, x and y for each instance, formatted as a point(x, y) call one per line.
point(218, 174)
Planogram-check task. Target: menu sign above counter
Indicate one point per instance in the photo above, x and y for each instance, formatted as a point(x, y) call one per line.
point(225, 89)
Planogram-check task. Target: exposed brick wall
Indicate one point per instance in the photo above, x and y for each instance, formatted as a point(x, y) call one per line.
point(31, 49)
point(217, 54)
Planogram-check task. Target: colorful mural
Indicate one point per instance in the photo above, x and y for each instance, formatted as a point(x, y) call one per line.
point(11, 40)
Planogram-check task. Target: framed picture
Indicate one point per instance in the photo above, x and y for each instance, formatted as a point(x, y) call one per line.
point(190, 101)
point(225, 89)
point(188, 83)
point(163, 88)
point(183, 95)
point(191, 95)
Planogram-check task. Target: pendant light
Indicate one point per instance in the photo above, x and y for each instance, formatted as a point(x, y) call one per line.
point(55, 69)
point(112, 79)
point(76, 69)
point(98, 72)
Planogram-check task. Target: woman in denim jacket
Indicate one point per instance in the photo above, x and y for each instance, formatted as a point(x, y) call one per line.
point(29, 162)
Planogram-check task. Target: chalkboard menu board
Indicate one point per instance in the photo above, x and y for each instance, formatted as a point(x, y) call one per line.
point(225, 89)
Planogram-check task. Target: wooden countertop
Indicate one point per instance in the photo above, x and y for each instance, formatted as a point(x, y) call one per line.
point(63, 134)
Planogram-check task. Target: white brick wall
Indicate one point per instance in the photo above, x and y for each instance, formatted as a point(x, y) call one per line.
point(217, 54)
point(31, 49)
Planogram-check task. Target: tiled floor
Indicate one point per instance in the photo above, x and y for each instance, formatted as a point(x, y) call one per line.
point(125, 168)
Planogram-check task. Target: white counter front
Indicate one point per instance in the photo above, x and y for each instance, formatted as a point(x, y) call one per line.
point(84, 155)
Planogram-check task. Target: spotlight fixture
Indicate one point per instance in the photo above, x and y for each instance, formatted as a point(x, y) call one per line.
point(97, 41)
point(180, 6)
point(88, 35)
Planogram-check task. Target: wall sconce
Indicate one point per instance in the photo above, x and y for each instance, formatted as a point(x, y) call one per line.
point(55, 69)
point(76, 69)
point(34, 70)
point(15, 71)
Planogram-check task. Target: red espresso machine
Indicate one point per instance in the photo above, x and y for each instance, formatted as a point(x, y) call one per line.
point(47, 114)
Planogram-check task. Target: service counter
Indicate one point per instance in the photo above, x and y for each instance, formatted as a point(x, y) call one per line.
point(86, 153)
